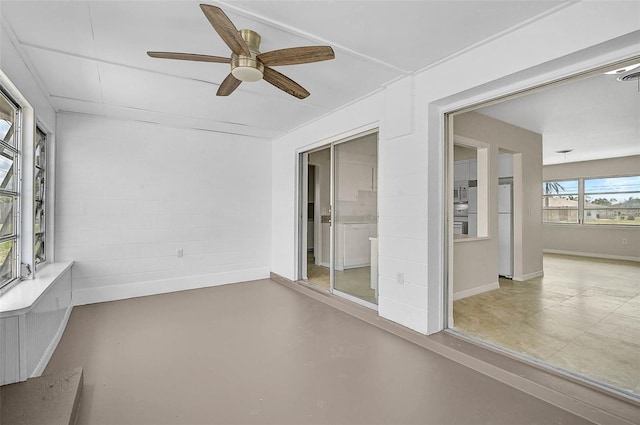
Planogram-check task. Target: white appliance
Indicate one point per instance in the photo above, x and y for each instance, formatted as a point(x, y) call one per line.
point(472, 229)
point(505, 228)
point(460, 191)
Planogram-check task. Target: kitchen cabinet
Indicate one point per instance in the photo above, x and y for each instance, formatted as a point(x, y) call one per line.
point(472, 227)
point(354, 177)
point(356, 246)
point(365, 177)
point(461, 170)
point(347, 182)
point(325, 259)
point(505, 165)
point(473, 169)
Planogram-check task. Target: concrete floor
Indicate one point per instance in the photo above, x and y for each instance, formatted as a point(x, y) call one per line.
point(582, 316)
point(259, 352)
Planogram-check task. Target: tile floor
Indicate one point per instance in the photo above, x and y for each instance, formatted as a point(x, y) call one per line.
point(582, 316)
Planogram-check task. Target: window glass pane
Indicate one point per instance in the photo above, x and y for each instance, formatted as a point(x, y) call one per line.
point(39, 189)
point(612, 200)
point(6, 215)
point(560, 201)
point(38, 222)
point(40, 153)
point(6, 169)
point(612, 185)
point(560, 187)
point(8, 116)
point(7, 263)
point(560, 216)
point(629, 216)
point(39, 249)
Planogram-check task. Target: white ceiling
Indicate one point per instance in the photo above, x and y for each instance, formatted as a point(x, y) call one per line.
point(596, 117)
point(90, 56)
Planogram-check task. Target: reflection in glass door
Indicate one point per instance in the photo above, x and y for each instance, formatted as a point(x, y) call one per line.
point(355, 218)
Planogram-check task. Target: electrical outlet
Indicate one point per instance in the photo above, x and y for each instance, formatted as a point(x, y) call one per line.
point(180, 253)
point(625, 241)
point(400, 278)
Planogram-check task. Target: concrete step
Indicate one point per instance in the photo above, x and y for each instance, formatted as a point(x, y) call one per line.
point(50, 399)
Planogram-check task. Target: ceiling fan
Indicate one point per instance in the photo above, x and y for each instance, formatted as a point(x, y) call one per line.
point(247, 63)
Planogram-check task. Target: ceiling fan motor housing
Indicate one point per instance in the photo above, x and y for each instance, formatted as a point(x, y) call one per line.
point(248, 68)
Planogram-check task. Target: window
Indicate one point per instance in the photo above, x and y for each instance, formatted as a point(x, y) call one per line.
point(39, 190)
point(613, 200)
point(560, 201)
point(9, 201)
point(599, 201)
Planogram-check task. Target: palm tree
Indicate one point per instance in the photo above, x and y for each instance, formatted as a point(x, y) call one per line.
point(549, 188)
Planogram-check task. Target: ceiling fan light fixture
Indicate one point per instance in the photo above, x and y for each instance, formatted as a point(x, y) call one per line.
point(247, 73)
point(246, 68)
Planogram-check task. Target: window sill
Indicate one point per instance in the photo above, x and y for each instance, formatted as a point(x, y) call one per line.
point(23, 296)
point(464, 238)
point(593, 226)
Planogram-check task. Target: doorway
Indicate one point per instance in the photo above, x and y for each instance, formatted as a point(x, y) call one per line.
point(339, 217)
point(548, 286)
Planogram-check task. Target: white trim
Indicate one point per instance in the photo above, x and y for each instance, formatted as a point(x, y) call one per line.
point(345, 136)
point(475, 291)
point(155, 287)
point(591, 254)
point(21, 298)
point(46, 356)
point(524, 277)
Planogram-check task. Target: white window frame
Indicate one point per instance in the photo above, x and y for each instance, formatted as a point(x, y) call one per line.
point(582, 198)
point(24, 255)
point(585, 194)
point(577, 209)
point(44, 195)
point(16, 192)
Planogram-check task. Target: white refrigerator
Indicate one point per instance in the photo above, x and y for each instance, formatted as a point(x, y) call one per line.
point(505, 229)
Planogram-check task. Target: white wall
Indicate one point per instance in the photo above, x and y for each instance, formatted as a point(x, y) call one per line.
point(131, 194)
point(13, 66)
point(411, 157)
point(597, 241)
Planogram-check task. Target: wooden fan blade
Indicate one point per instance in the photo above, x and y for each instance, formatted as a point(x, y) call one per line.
point(189, 57)
point(297, 55)
point(284, 83)
point(228, 86)
point(225, 29)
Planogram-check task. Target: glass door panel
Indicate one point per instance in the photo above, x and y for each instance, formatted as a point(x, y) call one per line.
point(355, 226)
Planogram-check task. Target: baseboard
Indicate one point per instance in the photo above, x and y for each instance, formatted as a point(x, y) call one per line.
point(46, 356)
point(528, 276)
point(155, 287)
point(591, 254)
point(475, 291)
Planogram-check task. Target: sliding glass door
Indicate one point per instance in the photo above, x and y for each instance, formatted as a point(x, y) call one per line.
point(355, 218)
point(339, 218)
